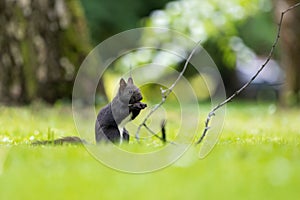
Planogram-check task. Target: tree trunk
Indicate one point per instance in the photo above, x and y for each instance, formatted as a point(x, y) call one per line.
point(290, 51)
point(42, 44)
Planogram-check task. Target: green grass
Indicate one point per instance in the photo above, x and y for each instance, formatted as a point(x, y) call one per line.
point(257, 157)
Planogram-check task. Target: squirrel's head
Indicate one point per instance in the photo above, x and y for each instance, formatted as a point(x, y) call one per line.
point(128, 92)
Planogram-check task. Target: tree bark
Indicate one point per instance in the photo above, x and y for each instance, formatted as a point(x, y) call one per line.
point(290, 51)
point(42, 44)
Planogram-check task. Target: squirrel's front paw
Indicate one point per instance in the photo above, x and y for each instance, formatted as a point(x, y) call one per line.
point(143, 105)
point(138, 105)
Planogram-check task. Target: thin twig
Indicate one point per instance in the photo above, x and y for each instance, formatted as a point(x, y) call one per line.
point(154, 134)
point(165, 94)
point(212, 112)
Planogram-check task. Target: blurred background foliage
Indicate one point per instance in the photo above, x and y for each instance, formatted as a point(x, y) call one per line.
point(107, 18)
point(236, 33)
point(223, 29)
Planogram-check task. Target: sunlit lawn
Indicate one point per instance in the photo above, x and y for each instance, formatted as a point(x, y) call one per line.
point(257, 157)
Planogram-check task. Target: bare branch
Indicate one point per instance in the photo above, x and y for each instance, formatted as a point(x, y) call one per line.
point(165, 94)
point(212, 112)
point(154, 134)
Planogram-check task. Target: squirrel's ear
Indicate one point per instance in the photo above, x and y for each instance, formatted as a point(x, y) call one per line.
point(130, 81)
point(122, 84)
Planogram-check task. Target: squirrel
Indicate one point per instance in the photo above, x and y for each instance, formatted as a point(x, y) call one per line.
point(112, 118)
point(126, 106)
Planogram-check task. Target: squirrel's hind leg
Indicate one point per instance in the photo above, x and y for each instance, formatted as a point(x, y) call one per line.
point(107, 134)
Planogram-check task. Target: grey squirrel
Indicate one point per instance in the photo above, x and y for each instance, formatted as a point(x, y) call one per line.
point(111, 119)
point(126, 106)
